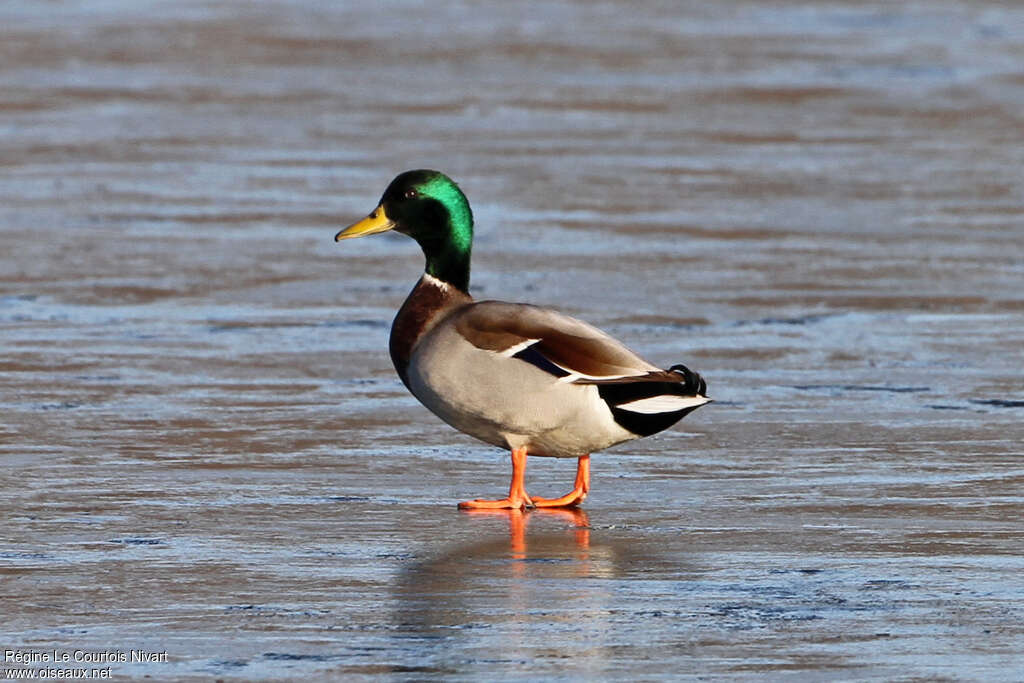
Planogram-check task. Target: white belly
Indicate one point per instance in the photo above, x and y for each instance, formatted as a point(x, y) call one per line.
point(509, 403)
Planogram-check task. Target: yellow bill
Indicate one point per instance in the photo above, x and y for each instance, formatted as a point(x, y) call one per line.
point(377, 221)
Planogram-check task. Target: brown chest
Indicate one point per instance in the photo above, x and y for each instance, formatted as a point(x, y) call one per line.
point(428, 302)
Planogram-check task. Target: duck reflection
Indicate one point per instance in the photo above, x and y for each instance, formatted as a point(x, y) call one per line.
point(544, 587)
point(518, 520)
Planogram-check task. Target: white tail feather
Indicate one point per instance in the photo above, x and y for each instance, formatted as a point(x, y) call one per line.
point(665, 403)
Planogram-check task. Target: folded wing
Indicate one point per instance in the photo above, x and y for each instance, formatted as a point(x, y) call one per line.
point(643, 398)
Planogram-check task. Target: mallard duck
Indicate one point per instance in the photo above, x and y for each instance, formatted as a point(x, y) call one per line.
point(517, 376)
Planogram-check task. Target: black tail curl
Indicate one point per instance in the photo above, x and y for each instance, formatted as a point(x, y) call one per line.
point(693, 383)
point(645, 424)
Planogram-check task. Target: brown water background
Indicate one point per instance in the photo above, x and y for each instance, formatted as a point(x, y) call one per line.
point(205, 450)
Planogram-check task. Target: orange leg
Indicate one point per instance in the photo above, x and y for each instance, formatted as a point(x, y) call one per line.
point(517, 497)
point(579, 492)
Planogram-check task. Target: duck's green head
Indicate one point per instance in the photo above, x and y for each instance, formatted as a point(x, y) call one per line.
point(429, 207)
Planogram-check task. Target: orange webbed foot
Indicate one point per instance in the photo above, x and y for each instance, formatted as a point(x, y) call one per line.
point(517, 497)
point(571, 499)
point(578, 493)
point(510, 503)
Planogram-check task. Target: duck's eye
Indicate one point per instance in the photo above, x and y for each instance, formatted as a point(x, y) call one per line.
point(411, 194)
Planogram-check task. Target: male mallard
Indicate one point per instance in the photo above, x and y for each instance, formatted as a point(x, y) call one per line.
point(513, 375)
